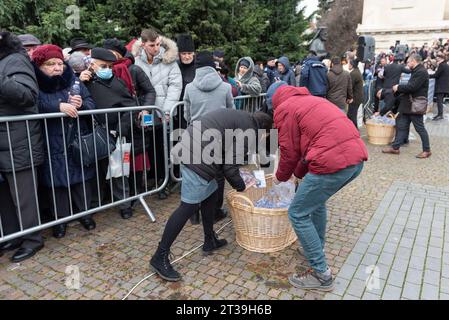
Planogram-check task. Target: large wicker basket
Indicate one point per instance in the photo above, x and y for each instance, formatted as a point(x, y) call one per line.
point(259, 229)
point(380, 134)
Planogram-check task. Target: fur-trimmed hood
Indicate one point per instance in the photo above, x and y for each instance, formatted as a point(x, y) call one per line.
point(167, 55)
point(9, 44)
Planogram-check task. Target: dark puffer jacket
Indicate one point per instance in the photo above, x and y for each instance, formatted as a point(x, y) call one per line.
point(219, 120)
point(53, 91)
point(18, 96)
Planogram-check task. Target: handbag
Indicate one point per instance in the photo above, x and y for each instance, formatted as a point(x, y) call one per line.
point(419, 105)
point(89, 144)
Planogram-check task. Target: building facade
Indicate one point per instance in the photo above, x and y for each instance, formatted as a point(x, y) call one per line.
point(412, 22)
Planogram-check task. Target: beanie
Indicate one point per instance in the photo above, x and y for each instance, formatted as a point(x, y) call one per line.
point(245, 63)
point(271, 91)
point(204, 59)
point(46, 52)
point(115, 45)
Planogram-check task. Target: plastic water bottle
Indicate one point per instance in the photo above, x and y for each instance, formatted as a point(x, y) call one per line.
point(75, 90)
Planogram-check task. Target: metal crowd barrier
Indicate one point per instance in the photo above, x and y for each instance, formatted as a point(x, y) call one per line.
point(92, 116)
point(247, 103)
point(368, 107)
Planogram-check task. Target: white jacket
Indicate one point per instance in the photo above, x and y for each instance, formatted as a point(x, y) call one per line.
point(164, 74)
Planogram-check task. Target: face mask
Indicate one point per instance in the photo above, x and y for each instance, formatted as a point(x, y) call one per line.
point(104, 74)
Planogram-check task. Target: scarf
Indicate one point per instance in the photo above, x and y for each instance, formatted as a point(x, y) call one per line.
point(120, 70)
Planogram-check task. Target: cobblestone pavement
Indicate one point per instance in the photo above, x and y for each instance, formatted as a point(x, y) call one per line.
point(382, 205)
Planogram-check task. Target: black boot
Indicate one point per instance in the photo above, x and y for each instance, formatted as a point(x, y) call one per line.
point(161, 264)
point(212, 243)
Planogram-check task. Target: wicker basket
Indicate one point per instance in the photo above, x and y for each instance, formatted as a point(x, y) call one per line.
point(259, 229)
point(380, 134)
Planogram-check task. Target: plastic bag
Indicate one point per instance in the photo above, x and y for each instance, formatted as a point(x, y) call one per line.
point(382, 120)
point(248, 177)
point(278, 197)
point(119, 160)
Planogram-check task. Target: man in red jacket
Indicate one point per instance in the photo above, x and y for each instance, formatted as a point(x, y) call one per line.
point(320, 145)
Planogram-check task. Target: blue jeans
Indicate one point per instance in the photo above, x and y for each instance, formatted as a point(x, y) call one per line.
point(308, 213)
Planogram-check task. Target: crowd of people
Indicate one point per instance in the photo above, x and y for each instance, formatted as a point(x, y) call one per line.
point(316, 98)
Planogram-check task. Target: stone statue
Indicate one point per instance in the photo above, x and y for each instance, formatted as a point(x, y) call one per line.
point(318, 44)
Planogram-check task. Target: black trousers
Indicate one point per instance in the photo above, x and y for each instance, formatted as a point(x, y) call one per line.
point(353, 111)
point(440, 100)
point(403, 130)
point(179, 218)
point(29, 212)
point(62, 200)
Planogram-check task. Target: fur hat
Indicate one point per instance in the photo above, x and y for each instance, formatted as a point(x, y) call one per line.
point(185, 43)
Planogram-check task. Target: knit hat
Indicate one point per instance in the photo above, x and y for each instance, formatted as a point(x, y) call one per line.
point(115, 45)
point(46, 52)
point(245, 63)
point(271, 91)
point(204, 59)
point(185, 43)
point(103, 54)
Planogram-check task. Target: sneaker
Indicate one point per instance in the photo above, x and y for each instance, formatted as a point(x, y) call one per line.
point(312, 280)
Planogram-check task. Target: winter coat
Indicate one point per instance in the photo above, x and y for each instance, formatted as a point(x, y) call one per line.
point(314, 136)
point(417, 86)
point(288, 75)
point(220, 120)
point(392, 74)
point(18, 96)
point(442, 78)
point(263, 78)
point(164, 74)
point(314, 76)
point(108, 94)
point(339, 86)
point(188, 74)
point(357, 86)
point(269, 71)
point(53, 91)
point(250, 84)
point(206, 93)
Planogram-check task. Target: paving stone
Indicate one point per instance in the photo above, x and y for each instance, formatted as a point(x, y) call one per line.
point(411, 291)
point(429, 292)
point(391, 293)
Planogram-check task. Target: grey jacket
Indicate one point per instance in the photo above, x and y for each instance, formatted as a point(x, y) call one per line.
point(250, 84)
point(164, 74)
point(207, 92)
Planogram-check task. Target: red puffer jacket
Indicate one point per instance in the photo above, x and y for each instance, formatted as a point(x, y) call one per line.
point(314, 135)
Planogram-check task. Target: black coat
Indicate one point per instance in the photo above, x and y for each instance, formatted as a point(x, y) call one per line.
point(18, 96)
point(442, 78)
point(188, 74)
point(392, 74)
point(220, 120)
point(418, 86)
point(357, 86)
point(144, 89)
point(112, 93)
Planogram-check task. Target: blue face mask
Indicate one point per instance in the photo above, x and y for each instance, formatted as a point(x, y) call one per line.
point(104, 74)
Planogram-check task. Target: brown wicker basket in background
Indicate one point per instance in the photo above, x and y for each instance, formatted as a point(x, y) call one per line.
point(259, 229)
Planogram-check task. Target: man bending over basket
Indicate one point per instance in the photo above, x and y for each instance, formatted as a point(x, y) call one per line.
point(319, 144)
